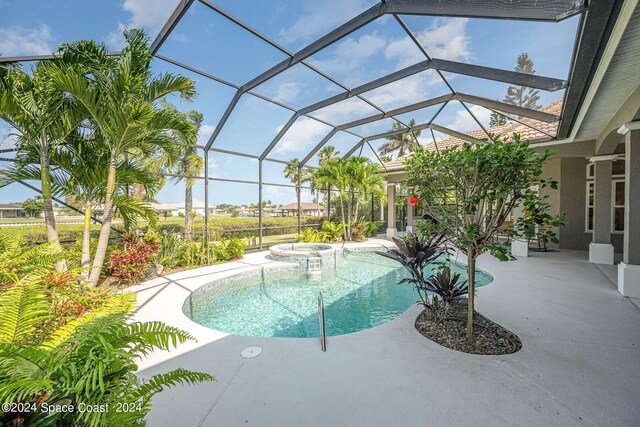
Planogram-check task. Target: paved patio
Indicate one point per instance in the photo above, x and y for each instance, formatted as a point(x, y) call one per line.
point(579, 365)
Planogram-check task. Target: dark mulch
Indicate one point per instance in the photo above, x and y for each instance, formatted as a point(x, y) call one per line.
point(449, 329)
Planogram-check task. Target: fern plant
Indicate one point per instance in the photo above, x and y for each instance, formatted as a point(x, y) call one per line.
point(88, 362)
point(18, 258)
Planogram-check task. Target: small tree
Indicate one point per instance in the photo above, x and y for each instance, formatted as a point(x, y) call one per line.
point(471, 190)
point(33, 207)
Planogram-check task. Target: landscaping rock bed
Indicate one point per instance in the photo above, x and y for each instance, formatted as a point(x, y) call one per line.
point(449, 330)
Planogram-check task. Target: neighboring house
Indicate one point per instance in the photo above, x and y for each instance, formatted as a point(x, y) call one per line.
point(198, 207)
point(8, 210)
point(307, 209)
point(163, 209)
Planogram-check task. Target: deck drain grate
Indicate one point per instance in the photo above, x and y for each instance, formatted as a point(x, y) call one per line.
point(250, 352)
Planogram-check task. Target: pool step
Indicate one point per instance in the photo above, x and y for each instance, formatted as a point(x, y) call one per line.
point(314, 264)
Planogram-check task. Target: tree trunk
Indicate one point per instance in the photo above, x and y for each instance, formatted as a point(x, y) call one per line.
point(49, 217)
point(85, 259)
point(471, 272)
point(349, 209)
point(299, 202)
point(105, 231)
point(188, 207)
point(344, 224)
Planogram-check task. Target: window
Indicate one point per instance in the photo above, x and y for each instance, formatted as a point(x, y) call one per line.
point(617, 196)
point(589, 216)
point(618, 206)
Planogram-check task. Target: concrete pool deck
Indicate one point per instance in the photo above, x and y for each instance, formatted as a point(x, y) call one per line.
point(579, 365)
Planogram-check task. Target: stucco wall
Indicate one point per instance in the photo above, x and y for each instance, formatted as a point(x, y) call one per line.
point(572, 203)
point(572, 197)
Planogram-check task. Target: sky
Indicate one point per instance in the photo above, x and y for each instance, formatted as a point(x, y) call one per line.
point(209, 42)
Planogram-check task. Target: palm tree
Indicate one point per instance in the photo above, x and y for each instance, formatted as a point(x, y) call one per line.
point(354, 178)
point(79, 170)
point(121, 98)
point(297, 176)
point(329, 152)
point(192, 167)
point(42, 118)
point(403, 143)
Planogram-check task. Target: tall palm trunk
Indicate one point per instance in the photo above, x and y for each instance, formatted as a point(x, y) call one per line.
point(344, 224)
point(326, 202)
point(105, 231)
point(85, 258)
point(471, 272)
point(349, 209)
point(188, 207)
point(299, 202)
point(49, 217)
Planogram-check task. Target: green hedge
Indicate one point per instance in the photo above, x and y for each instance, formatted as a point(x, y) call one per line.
point(221, 227)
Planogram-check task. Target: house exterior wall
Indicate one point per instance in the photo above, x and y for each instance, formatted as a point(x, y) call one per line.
point(8, 213)
point(572, 202)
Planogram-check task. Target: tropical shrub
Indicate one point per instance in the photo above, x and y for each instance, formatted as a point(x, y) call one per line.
point(358, 231)
point(171, 251)
point(311, 235)
point(87, 363)
point(195, 254)
point(445, 285)
point(235, 248)
point(371, 229)
point(333, 231)
point(227, 250)
point(132, 263)
point(537, 223)
point(416, 253)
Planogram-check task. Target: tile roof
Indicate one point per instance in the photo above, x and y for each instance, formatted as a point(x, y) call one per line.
point(10, 207)
point(543, 128)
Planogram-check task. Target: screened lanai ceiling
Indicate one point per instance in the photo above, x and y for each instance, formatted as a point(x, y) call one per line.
point(281, 79)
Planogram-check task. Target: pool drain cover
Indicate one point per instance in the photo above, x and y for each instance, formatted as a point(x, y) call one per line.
point(250, 352)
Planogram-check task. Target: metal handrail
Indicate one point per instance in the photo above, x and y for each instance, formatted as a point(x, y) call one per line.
point(323, 338)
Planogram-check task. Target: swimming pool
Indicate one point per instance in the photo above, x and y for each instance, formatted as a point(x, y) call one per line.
point(362, 292)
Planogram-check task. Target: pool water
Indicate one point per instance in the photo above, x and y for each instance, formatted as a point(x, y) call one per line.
point(360, 294)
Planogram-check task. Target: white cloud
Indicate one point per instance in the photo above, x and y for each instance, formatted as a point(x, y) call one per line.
point(406, 91)
point(149, 15)
point(464, 122)
point(320, 17)
point(18, 40)
point(345, 111)
point(288, 92)
point(304, 133)
point(351, 53)
point(204, 134)
point(445, 39)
